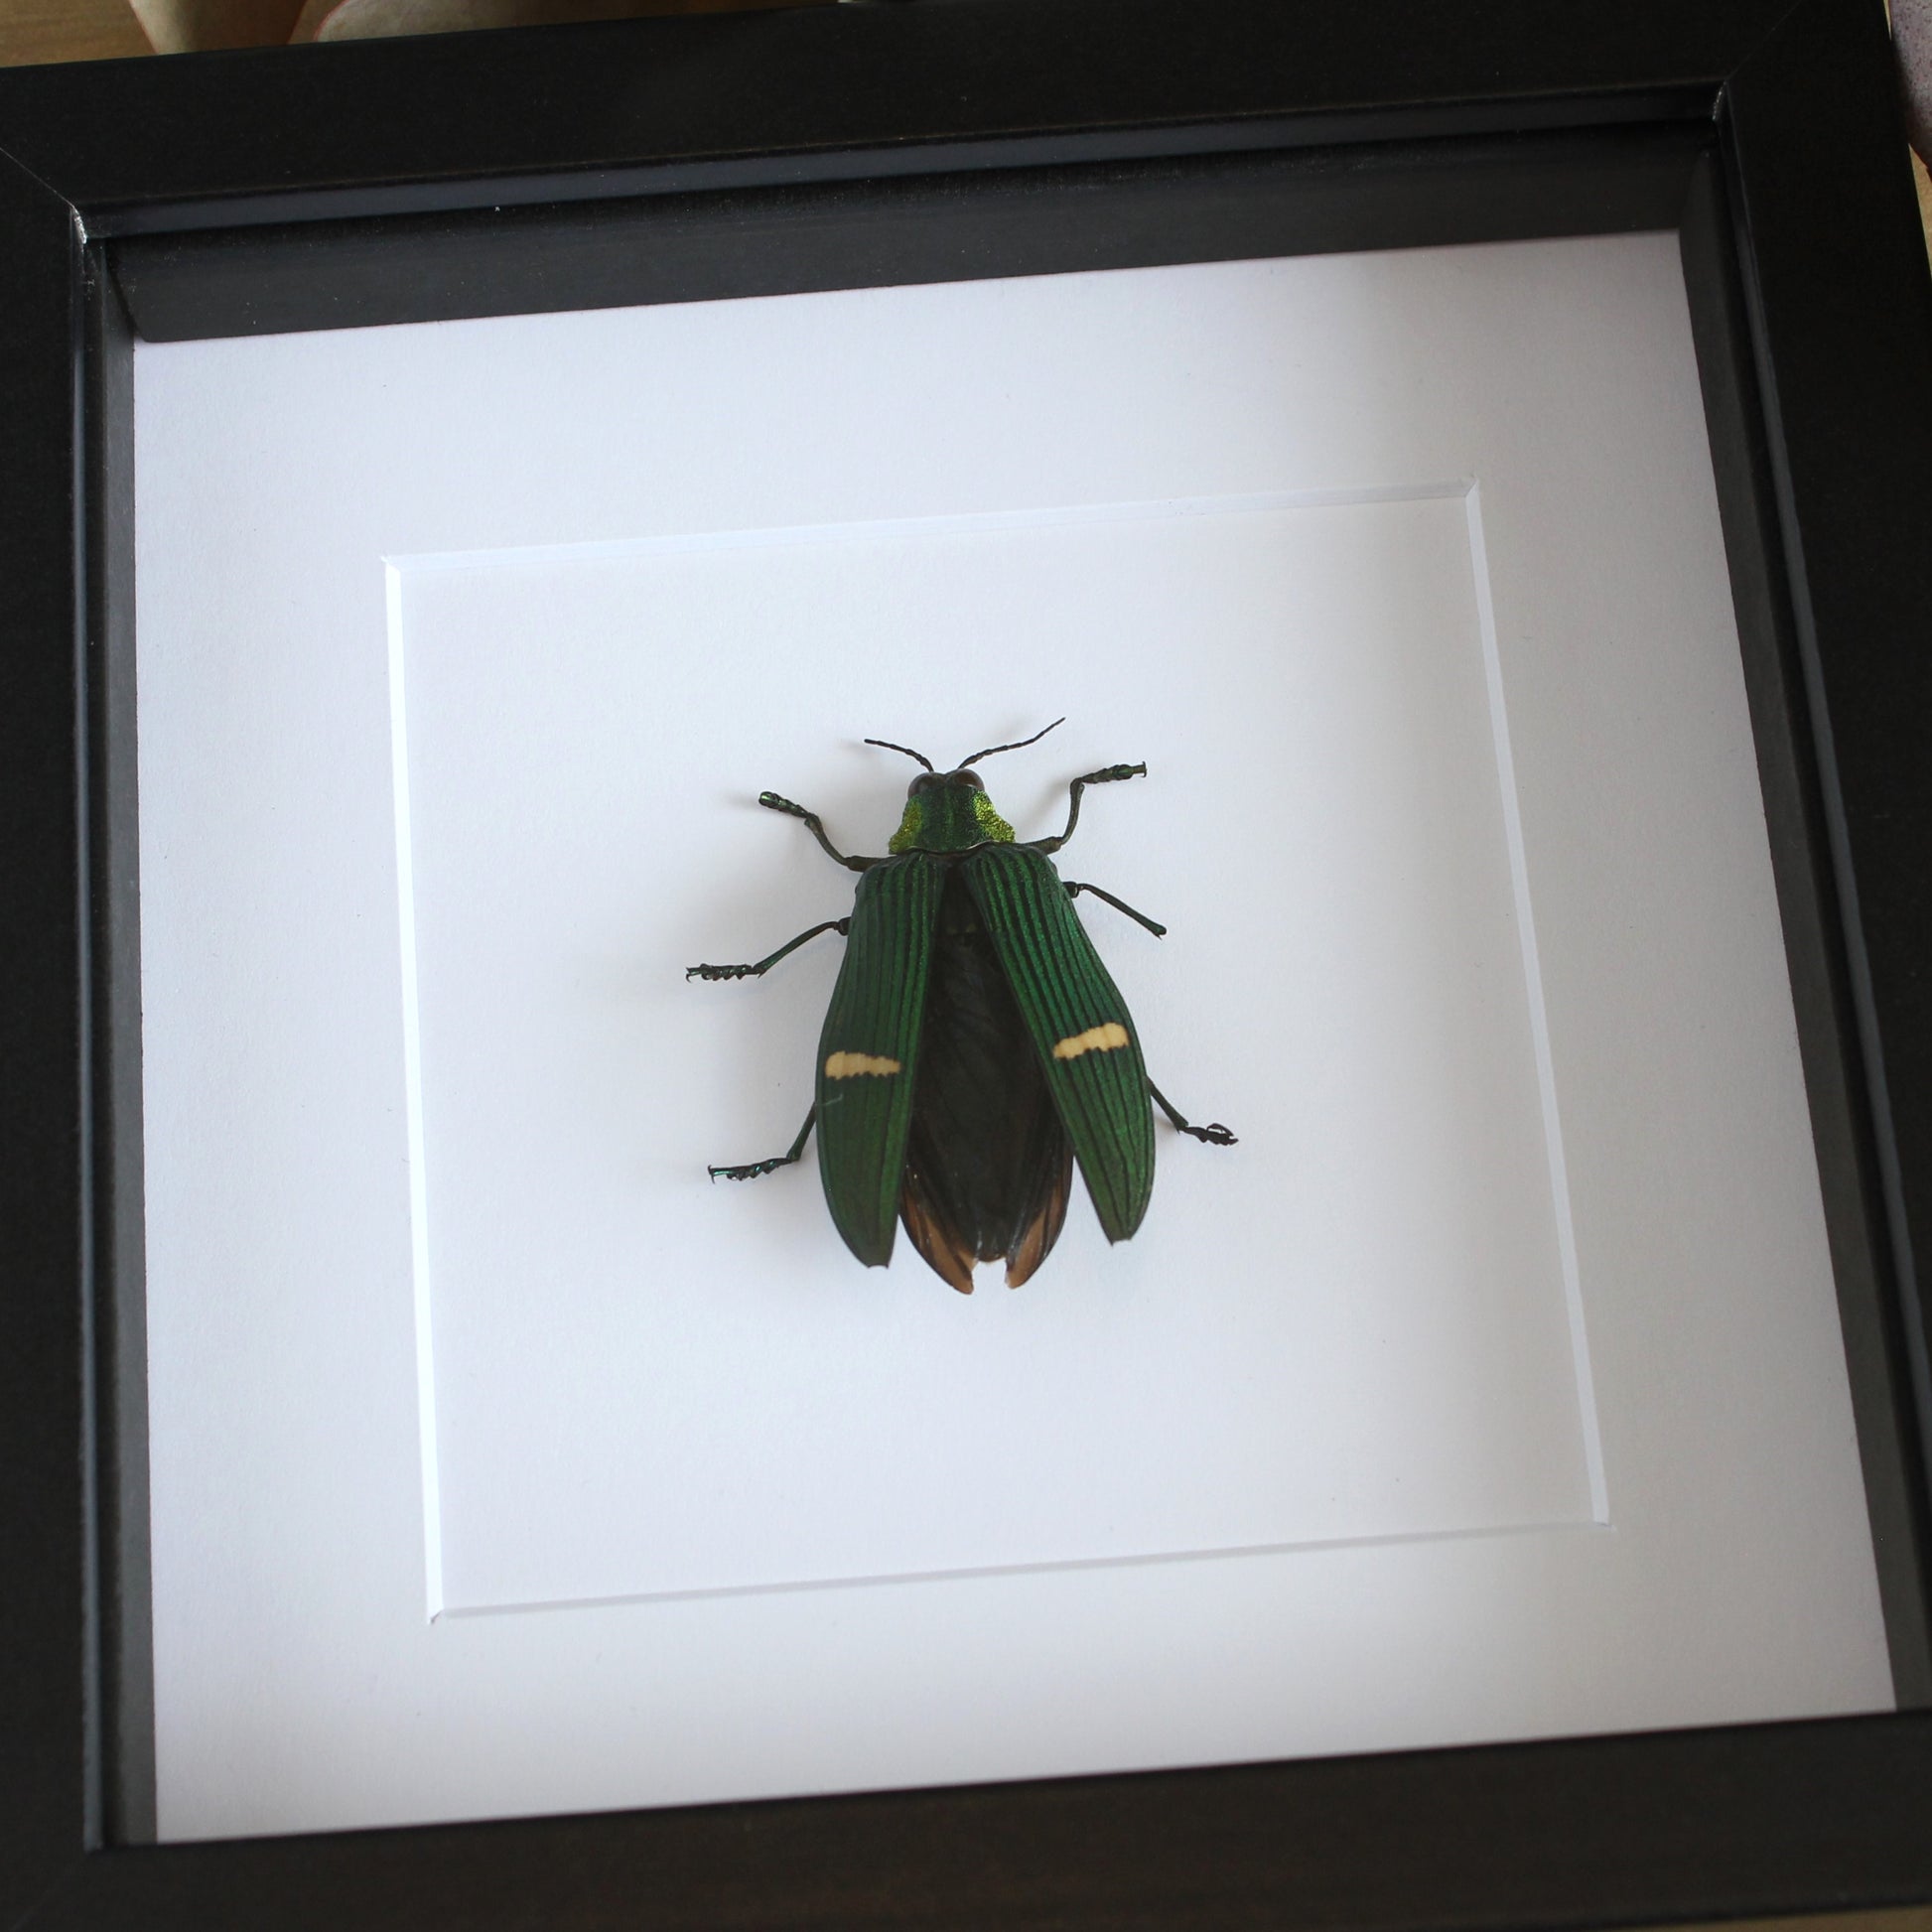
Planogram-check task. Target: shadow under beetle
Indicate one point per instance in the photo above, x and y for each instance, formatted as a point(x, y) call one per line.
point(976, 1046)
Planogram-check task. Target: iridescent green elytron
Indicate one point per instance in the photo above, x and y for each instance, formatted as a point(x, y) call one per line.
point(974, 1048)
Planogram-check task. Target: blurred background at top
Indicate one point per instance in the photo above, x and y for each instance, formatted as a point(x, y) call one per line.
point(104, 30)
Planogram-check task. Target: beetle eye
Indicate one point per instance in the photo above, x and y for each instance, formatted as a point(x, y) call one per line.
point(923, 782)
point(966, 776)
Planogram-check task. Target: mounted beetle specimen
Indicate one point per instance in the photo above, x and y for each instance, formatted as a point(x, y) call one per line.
point(974, 1048)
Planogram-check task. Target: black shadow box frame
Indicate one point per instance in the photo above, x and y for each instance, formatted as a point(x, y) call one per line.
point(949, 139)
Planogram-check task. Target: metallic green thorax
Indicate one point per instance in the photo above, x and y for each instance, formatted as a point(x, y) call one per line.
point(949, 813)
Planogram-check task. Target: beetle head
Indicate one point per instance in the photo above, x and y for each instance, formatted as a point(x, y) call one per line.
point(950, 811)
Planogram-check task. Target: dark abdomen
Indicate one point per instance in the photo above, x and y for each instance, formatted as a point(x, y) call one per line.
point(988, 1164)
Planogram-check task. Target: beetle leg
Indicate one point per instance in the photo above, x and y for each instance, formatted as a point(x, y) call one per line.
point(752, 1169)
point(773, 803)
point(1074, 889)
point(839, 927)
point(1215, 1133)
point(1106, 777)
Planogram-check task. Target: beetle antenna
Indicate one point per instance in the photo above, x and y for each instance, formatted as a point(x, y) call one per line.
point(1017, 745)
point(887, 745)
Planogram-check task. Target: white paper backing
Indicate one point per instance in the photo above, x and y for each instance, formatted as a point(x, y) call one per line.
point(502, 1464)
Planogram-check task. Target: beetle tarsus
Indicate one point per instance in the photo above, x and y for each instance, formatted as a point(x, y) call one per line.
point(1109, 775)
point(839, 927)
point(1214, 1134)
point(815, 826)
point(1074, 888)
point(752, 1169)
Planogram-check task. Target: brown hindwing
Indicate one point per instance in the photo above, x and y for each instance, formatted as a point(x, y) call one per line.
point(1043, 1229)
point(948, 1253)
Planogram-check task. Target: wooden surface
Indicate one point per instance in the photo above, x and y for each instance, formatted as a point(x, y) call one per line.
point(68, 29)
point(35, 31)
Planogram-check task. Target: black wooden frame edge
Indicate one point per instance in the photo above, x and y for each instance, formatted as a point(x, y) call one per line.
point(943, 84)
point(1822, 310)
point(1799, 815)
point(1638, 1830)
point(46, 1639)
point(1821, 1854)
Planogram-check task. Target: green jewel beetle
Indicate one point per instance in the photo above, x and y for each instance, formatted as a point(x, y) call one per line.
point(974, 1048)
